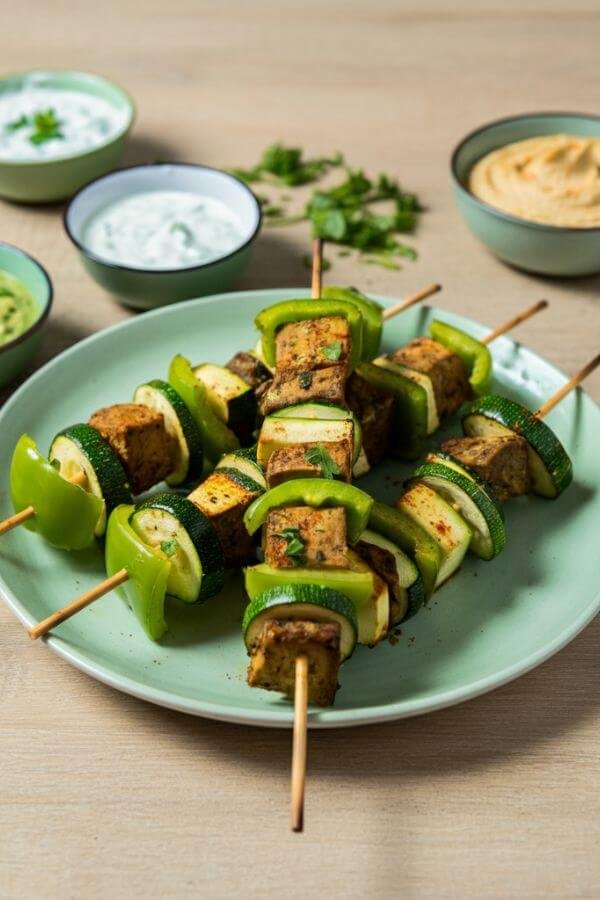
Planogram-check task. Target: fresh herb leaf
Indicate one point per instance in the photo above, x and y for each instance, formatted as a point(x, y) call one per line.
point(169, 548)
point(21, 122)
point(319, 456)
point(305, 380)
point(332, 351)
point(287, 166)
point(295, 546)
point(46, 127)
point(271, 211)
point(55, 463)
point(307, 261)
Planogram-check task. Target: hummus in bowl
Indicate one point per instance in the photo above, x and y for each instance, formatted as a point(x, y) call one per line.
point(552, 179)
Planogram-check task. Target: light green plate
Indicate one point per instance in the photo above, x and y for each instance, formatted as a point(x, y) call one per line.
point(491, 623)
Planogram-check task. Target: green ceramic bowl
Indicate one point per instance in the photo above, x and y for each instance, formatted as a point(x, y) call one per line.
point(546, 249)
point(58, 177)
point(149, 288)
point(15, 355)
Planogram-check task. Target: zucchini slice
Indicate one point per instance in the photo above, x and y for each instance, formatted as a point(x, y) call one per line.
point(176, 529)
point(424, 381)
point(407, 593)
point(230, 397)
point(323, 411)
point(442, 523)
point(481, 512)
point(80, 448)
point(244, 481)
point(550, 467)
point(302, 601)
point(179, 423)
point(245, 463)
point(278, 431)
point(394, 524)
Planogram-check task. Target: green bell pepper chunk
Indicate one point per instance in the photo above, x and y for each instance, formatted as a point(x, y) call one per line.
point(411, 417)
point(217, 438)
point(314, 492)
point(356, 585)
point(396, 526)
point(146, 588)
point(475, 356)
point(271, 319)
point(66, 515)
point(372, 313)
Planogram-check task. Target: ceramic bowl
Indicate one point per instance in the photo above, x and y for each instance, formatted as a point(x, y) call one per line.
point(545, 249)
point(149, 288)
point(58, 177)
point(16, 354)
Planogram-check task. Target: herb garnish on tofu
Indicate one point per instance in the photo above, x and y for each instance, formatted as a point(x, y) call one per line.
point(319, 456)
point(295, 544)
point(332, 351)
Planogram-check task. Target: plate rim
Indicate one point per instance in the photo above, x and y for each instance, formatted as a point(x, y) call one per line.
point(283, 718)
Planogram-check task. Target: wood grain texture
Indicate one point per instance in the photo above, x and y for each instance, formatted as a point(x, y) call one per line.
point(102, 795)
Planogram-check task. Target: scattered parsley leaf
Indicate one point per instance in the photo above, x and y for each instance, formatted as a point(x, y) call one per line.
point(319, 456)
point(307, 261)
point(287, 166)
point(305, 380)
point(21, 122)
point(332, 351)
point(294, 544)
point(271, 211)
point(169, 548)
point(46, 127)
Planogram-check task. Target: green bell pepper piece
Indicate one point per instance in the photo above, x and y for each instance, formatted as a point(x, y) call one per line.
point(66, 515)
point(356, 585)
point(372, 313)
point(146, 588)
point(217, 438)
point(396, 526)
point(271, 319)
point(411, 417)
point(314, 492)
point(475, 356)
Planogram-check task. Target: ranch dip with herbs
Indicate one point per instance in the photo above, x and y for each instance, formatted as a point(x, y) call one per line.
point(553, 179)
point(39, 123)
point(163, 230)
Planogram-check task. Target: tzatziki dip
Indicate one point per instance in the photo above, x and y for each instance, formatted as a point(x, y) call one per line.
point(38, 123)
point(163, 230)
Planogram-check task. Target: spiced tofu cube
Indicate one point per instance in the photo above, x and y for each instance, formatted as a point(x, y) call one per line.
point(287, 389)
point(301, 535)
point(295, 461)
point(501, 461)
point(313, 344)
point(375, 410)
point(137, 435)
point(446, 370)
point(273, 661)
point(249, 368)
point(224, 502)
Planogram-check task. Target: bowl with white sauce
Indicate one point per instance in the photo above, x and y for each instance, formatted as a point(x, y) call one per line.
point(58, 131)
point(529, 188)
point(159, 233)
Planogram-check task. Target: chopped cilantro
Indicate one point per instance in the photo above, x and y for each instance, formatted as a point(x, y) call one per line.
point(46, 127)
point(307, 260)
point(319, 456)
point(305, 380)
point(21, 122)
point(287, 166)
point(332, 351)
point(169, 548)
point(294, 544)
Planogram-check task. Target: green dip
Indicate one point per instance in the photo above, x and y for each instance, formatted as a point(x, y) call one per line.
point(18, 310)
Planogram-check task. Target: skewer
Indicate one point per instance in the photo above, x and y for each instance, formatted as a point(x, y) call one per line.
point(410, 301)
point(568, 387)
point(79, 603)
point(516, 320)
point(299, 743)
point(29, 512)
point(317, 268)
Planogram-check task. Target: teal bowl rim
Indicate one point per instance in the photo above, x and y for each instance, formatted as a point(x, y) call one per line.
point(89, 76)
point(49, 300)
point(139, 269)
point(516, 220)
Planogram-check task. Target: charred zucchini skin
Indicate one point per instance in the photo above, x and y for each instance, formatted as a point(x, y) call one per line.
point(549, 463)
point(244, 481)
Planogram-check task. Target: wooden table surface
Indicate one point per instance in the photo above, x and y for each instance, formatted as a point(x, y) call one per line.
point(104, 796)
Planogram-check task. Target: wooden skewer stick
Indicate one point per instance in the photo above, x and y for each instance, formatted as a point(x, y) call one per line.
point(299, 743)
point(410, 301)
point(568, 387)
point(516, 320)
point(109, 584)
point(29, 511)
point(317, 268)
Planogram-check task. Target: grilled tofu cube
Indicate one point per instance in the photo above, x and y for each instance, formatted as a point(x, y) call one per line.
point(273, 661)
point(375, 410)
point(300, 345)
point(291, 462)
point(224, 502)
point(321, 531)
point(328, 384)
point(446, 370)
point(501, 461)
point(137, 435)
point(249, 368)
